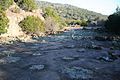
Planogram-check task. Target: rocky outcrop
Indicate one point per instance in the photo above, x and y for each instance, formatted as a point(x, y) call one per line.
point(14, 32)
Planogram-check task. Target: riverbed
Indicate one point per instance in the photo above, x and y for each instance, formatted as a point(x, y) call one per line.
point(72, 55)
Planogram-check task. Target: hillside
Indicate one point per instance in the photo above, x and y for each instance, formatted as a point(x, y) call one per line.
point(15, 15)
point(71, 12)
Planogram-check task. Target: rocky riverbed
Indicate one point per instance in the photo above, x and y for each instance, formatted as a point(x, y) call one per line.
point(73, 55)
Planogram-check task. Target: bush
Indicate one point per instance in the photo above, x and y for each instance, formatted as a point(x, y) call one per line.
point(113, 23)
point(27, 5)
point(57, 20)
point(51, 25)
point(4, 4)
point(3, 22)
point(32, 24)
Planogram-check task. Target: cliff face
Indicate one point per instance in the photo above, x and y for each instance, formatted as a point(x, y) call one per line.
point(14, 31)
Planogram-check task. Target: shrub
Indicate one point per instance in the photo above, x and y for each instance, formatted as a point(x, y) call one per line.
point(32, 24)
point(3, 22)
point(27, 5)
point(113, 23)
point(57, 20)
point(4, 4)
point(51, 25)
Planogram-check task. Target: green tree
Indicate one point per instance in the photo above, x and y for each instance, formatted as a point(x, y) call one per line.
point(3, 22)
point(4, 4)
point(27, 5)
point(113, 23)
point(50, 12)
point(32, 24)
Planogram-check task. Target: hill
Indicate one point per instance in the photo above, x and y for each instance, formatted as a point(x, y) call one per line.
point(72, 12)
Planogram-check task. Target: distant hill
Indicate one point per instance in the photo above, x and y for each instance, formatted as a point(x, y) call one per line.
point(72, 12)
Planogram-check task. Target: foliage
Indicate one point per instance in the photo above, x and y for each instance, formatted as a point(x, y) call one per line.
point(3, 22)
point(76, 22)
point(54, 18)
point(71, 12)
point(51, 25)
point(32, 24)
point(28, 5)
point(113, 23)
point(4, 4)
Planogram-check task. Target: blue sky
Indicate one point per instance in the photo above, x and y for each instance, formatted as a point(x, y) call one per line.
point(101, 6)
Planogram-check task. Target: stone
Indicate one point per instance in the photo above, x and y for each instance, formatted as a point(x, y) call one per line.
point(107, 59)
point(37, 54)
point(8, 53)
point(37, 67)
point(78, 73)
point(81, 50)
point(70, 58)
point(69, 46)
point(96, 47)
point(9, 59)
point(100, 38)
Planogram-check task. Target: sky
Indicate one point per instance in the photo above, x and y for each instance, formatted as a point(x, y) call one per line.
point(105, 7)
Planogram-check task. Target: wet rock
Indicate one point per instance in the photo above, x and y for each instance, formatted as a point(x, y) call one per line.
point(9, 60)
point(78, 73)
point(37, 67)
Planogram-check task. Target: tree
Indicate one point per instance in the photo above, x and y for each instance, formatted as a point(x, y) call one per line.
point(4, 4)
point(27, 5)
point(113, 22)
point(54, 18)
point(32, 24)
point(3, 22)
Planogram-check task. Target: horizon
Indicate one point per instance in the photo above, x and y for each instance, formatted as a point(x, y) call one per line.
point(106, 7)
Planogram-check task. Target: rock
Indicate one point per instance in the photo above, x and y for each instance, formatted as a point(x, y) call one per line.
point(81, 50)
point(101, 38)
point(69, 46)
point(37, 67)
point(37, 54)
point(9, 60)
point(78, 73)
point(96, 47)
point(8, 52)
point(70, 58)
point(107, 59)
